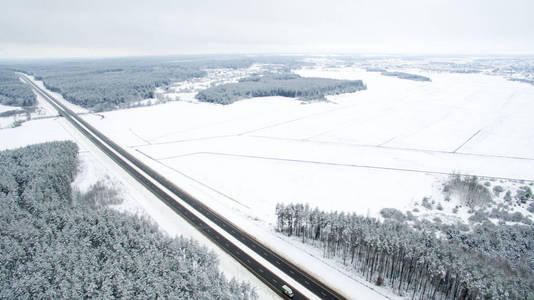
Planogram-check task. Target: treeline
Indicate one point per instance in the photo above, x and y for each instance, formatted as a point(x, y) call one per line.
point(401, 75)
point(55, 246)
point(416, 263)
point(408, 76)
point(529, 81)
point(109, 84)
point(13, 91)
point(286, 85)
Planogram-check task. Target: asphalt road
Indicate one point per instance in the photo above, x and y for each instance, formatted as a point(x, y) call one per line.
point(263, 273)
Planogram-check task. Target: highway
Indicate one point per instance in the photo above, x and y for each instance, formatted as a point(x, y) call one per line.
point(166, 191)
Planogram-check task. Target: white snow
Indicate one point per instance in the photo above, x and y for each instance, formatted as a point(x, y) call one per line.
point(437, 115)
point(9, 122)
point(95, 166)
point(33, 132)
point(4, 108)
point(383, 147)
point(239, 214)
point(43, 109)
point(388, 146)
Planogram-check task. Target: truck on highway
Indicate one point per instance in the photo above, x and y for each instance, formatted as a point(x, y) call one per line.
point(287, 291)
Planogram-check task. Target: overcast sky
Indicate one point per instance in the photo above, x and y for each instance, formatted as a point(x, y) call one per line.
point(58, 28)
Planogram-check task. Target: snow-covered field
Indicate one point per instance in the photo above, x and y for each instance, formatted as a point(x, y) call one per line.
point(388, 146)
point(33, 132)
point(4, 108)
point(399, 134)
point(44, 109)
point(440, 115)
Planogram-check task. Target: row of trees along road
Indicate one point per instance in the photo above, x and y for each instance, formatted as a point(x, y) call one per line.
point(413, 263)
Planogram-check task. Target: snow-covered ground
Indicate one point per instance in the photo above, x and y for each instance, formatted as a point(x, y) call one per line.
point(440, 115)
point(96, 166)
point(4, 108)
point(12, 121)
point(42, 110)
point(388, 146)
point(33, 132)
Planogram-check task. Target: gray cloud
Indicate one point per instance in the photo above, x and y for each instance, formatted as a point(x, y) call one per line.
point(79, 28)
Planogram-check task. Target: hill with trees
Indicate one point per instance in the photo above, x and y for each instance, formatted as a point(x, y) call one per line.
point(285, 84)
point(59, 246)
